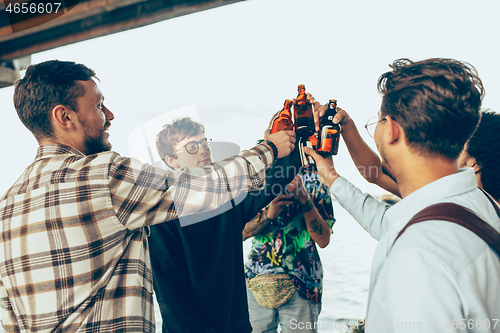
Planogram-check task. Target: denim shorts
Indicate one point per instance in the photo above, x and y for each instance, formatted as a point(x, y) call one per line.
point(298, 315)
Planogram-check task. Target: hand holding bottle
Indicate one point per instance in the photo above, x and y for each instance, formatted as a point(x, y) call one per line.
point(303, 113)
point(342, 117)
point(283, 140)
point(329, 136)
point(311, 100)
point(325, 167)
point(316, 106)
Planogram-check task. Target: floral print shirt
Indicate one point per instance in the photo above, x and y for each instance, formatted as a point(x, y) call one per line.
point(285, 246)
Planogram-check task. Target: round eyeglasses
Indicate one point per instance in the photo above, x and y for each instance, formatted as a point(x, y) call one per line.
point(369, 125)
point(192, 147)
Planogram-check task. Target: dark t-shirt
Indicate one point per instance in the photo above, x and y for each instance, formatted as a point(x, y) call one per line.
point(198, 269)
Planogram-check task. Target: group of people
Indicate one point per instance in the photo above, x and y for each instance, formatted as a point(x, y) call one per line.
point(88, 235)
point(198, 270)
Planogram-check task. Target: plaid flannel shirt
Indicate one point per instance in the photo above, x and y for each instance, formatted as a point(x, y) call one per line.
point(74, 254)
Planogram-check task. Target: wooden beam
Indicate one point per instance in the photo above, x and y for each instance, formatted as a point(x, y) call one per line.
point(96, 18)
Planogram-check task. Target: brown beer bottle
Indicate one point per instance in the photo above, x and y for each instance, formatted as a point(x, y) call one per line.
point(303, 114)
point(308, 162)
point(283, 120)
point(329, 137)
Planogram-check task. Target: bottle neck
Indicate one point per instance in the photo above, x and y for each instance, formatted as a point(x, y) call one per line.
point(328, 117)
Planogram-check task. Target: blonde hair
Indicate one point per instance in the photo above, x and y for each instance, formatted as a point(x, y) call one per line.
point(172, 134)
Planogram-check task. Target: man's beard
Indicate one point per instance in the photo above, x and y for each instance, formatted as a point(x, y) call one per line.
point(386, 171)
point(98, 144)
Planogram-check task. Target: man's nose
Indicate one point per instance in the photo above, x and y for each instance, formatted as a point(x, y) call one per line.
point(109, 115)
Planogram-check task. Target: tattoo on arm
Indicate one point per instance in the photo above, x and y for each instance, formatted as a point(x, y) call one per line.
point(255, 225)
point(316, 227)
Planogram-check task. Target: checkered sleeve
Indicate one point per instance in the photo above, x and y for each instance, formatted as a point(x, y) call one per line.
point(73, 248)
point(144, 195)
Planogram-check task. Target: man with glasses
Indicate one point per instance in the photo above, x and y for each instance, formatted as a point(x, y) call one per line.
point(366, 160)
point(481, 152)
point(198, 268)
point(438, 275)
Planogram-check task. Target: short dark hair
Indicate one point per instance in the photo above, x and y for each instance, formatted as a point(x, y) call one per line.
point(436, 101)
point(172, 134)
point(44, 86)
point(484, 146)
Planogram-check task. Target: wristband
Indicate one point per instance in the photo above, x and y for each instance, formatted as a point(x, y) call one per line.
point(273, 147)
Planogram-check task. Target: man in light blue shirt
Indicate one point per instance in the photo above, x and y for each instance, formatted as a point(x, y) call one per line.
point(438, 276)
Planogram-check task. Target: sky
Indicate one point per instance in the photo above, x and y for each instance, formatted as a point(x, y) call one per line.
point(235, 65)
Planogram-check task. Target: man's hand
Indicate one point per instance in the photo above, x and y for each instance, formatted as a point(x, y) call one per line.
point(262, 220)
point(277, 205)
point(317, 108)
point(284, 141)
point(298, 191)
point(342, 117)
point(311, 100)
point(325, 167)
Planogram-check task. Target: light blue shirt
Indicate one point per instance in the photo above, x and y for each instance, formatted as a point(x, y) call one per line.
point(439, 276)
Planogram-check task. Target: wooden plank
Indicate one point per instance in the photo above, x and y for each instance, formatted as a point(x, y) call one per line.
point(84, 9)
point(108, 22)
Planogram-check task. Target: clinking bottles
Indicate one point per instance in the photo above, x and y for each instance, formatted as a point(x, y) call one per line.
point(303, 114)
point(329, 136)
point(283, 120)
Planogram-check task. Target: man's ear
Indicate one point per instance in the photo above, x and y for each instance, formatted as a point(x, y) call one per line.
point(471, 162)
point(63, 117)
point(393, 131)
point(171, 162)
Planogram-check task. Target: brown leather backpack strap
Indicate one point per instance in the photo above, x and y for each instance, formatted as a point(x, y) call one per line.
point(460, 215)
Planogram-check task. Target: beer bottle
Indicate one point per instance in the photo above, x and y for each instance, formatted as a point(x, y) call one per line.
point(308, 162)
point(329, 137)
point(283, 120)
point(303, 114)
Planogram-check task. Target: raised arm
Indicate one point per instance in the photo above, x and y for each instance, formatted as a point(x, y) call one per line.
point(266, 216)
point(144, 195)
point(317, 227)
point(366, 160)
point(371, 216)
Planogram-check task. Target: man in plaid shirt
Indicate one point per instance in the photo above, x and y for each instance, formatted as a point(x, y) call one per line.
point(74, 252)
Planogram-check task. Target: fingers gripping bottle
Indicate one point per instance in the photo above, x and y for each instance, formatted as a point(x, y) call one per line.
point(329, 136)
